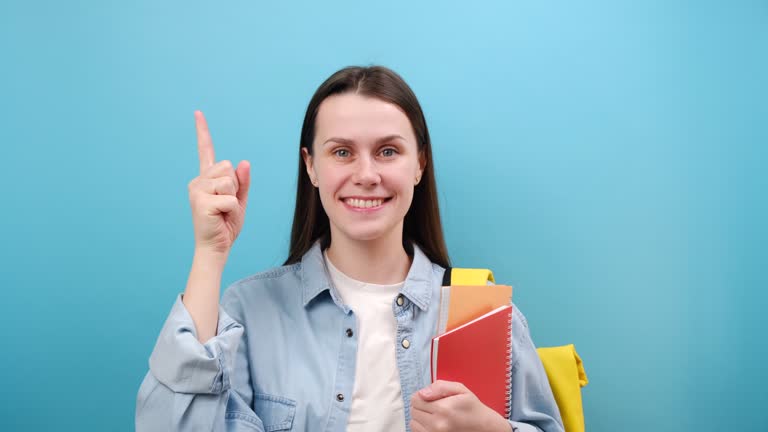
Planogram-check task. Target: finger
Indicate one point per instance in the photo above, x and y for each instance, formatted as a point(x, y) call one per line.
point(244, 181)
point(220, 169)
point(441, 389)
point(204, 143)
point(218, 204)
point(418, 403)
point(416, 426)
point(217, 186)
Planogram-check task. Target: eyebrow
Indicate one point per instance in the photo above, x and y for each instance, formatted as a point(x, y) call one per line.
point(350, 142)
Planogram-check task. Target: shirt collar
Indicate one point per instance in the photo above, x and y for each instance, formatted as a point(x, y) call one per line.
point(417, 287)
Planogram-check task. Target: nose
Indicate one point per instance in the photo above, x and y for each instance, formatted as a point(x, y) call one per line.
point(366, 172)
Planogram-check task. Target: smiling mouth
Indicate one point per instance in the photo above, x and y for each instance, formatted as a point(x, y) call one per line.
point(363, 204)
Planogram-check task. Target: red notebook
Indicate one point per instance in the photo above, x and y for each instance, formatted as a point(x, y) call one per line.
point(477, 354)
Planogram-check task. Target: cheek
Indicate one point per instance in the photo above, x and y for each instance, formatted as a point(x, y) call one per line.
point(330, 179)
point(403, 179)
point(330, 185)
point(402, 184)
point(407, 196)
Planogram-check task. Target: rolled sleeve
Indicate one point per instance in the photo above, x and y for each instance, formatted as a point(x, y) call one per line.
point(523, 427)
point(183, 364)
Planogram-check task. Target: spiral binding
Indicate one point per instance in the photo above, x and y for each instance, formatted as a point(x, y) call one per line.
point(508, 404)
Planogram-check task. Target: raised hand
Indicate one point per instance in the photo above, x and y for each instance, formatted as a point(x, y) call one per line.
point(218, 196)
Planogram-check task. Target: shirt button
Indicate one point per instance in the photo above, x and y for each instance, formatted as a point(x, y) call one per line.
point(350, 333)
point(400, 300)
point(340, 397)
point(406, 343)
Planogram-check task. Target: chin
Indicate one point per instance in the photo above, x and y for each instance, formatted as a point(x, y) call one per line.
point(365, 235)
point(362, 233)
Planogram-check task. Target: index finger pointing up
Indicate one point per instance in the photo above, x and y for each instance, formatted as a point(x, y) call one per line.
point(204, 143)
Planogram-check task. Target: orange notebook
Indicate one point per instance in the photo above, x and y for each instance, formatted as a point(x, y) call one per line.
point(461, 304)
point(477, 354)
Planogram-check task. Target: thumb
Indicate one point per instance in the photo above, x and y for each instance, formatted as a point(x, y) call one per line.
point(243, 174)
point(441, 389)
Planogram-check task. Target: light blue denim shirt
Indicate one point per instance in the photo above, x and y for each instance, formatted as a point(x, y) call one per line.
point(283, 360)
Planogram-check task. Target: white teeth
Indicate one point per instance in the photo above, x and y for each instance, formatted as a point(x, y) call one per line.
point(364, 203)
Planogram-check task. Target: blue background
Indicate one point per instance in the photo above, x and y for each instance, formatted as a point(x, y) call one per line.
point(605, 158)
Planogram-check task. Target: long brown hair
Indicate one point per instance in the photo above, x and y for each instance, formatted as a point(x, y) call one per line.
point(422, 221)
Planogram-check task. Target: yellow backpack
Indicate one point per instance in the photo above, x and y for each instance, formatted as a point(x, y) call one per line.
point(563, 365)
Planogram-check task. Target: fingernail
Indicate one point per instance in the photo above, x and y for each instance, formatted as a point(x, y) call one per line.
point(426, 392)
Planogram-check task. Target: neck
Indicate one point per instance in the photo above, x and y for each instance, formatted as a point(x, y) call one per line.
point(382, 261)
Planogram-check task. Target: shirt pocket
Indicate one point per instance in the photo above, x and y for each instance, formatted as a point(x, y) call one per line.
point(276, 412)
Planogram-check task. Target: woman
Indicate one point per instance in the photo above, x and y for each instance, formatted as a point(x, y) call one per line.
point(339, 337)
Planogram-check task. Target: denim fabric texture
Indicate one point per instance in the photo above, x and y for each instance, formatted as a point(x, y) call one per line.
point(282, 359)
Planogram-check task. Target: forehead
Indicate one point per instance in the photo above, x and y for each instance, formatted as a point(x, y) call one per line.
point(360, 118)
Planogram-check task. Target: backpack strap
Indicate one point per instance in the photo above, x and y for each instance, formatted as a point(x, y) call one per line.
point(466, 276)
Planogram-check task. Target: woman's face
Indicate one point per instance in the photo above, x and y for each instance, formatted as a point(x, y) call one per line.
point(365, 163)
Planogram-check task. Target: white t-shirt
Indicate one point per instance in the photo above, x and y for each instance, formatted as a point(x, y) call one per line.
point(377, 402)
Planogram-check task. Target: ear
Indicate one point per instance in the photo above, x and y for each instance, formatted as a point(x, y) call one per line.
point(422, 165)
point(309, 163)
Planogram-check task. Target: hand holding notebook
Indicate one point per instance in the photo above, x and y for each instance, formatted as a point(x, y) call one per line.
point(445, 405)
point(476, 354)
point(475, 350)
